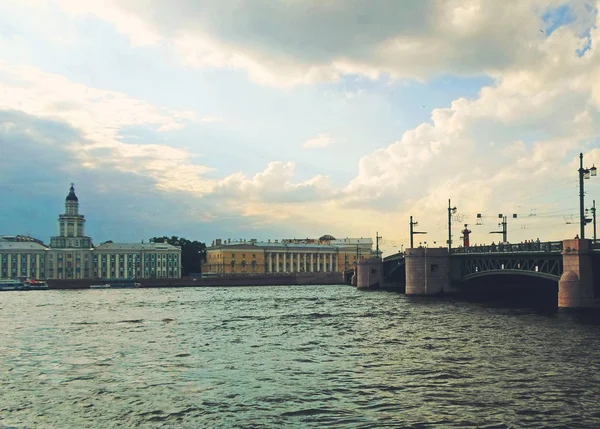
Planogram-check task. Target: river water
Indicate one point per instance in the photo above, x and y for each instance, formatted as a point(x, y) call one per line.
point(293, 356)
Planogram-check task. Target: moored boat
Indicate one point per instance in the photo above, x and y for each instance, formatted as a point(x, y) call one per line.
point(35, 285)
point(9, 284)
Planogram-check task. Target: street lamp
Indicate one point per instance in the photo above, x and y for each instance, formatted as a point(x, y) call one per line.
point(413, 232)
point(593, 219)
point(451, 211)
point(504, 225)
point(584, 173)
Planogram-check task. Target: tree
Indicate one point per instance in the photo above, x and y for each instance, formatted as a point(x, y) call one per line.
point(193, 253)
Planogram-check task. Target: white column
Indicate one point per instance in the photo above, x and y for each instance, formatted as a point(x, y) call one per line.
point(312, 262)
point(305, 262)
point(277, 262)
point(331, 262)
point(297, 262)
point(318, 262)
point(270, 262)
point(37, 266)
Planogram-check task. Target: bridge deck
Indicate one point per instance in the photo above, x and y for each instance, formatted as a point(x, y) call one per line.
point(545, 247)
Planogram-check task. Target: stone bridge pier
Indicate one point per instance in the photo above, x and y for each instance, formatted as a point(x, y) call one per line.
point(576, 288)
point(427, 271)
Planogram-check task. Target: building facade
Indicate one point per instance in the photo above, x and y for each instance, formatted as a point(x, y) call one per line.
point(137, 260)
point(325, 254)
point(20, 257)
point(72, 255)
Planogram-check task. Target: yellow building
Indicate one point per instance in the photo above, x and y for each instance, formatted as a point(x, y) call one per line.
point(325, 254)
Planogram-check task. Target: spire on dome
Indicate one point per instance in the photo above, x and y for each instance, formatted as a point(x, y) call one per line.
point(72, 196)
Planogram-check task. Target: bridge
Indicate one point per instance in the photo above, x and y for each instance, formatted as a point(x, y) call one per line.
point(542, 260)
point(572, 265)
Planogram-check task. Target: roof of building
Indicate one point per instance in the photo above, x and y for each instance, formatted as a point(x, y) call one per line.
point(298, 243)
point(21, 245)
point(351, 241)
point(272, 245)
point(288, 246)
point(72, 196)
point(137, 246)
point(327, 237)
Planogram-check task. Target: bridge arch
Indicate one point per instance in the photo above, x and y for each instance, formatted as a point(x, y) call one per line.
point(509, 272)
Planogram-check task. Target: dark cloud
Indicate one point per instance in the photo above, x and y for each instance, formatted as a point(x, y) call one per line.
point(410, 38)
point(37, 165)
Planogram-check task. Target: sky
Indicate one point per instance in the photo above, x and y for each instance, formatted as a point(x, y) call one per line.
point(297, 118)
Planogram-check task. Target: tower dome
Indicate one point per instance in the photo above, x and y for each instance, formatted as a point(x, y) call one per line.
point(72, 196)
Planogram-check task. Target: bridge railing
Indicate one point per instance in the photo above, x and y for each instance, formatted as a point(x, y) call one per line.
point(545, 247)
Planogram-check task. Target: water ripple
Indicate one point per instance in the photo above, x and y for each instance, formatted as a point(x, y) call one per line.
point(306, 356)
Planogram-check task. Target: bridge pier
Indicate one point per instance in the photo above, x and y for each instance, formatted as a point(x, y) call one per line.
point(427, 271)
point(369, 274)
point(576, 285)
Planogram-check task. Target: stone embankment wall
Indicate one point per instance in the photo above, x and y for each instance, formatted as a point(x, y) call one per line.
point(230, 280)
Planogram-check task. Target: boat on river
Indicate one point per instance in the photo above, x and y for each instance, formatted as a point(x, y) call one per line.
point(22, 285)
point(9, 284)
point(34, 285)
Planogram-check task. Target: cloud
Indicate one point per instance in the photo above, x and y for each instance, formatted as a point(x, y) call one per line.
point(99, 115)
point(512, 148)
point(289, 43)
point(274, 185)
point(474, 153)
point(322, 140)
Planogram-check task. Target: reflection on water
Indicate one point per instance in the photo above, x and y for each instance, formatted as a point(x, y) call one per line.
point(300, 356)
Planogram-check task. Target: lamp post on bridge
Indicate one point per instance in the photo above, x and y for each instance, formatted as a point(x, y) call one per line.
point(451, 211)
point(504, 225)
point(593, 219)
point(413, 232)
point(377, 237)
point(584, 173)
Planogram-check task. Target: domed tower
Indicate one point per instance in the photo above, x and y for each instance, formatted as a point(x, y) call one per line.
point(72, 202)
point(71, 225)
